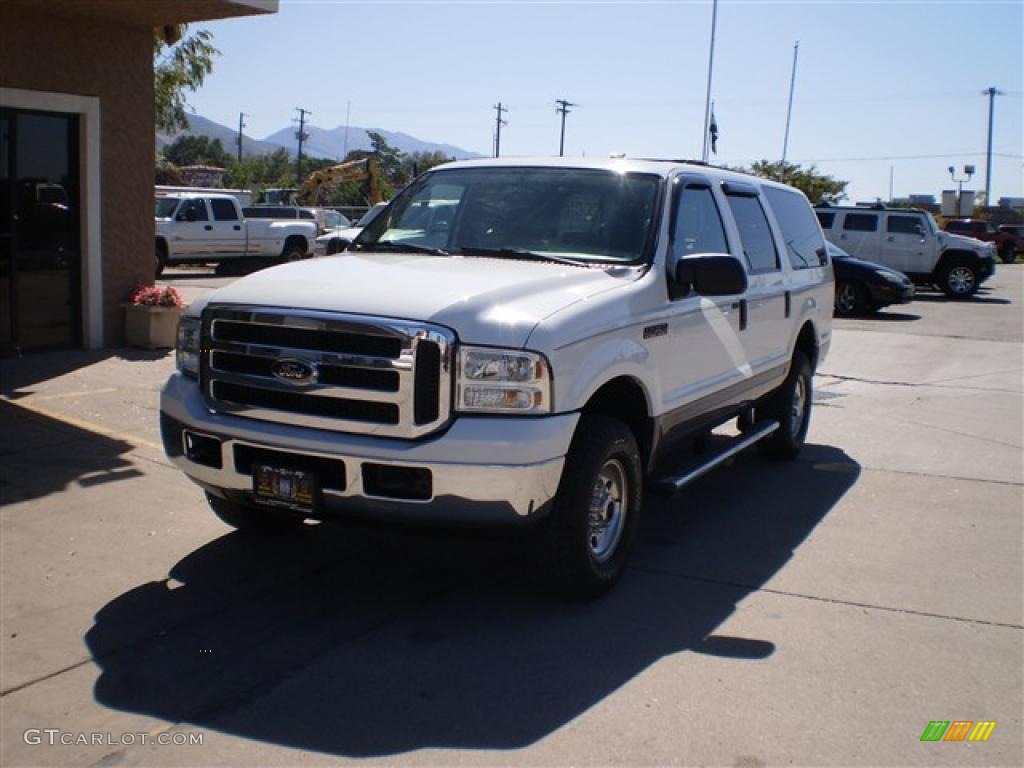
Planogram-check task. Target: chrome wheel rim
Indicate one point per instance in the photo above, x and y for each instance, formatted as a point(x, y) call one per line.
point(608, 509)
point(796, 413)
point(846, 298)
point(961, 280)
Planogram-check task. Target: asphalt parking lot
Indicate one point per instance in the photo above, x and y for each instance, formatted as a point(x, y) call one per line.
point(815, 613)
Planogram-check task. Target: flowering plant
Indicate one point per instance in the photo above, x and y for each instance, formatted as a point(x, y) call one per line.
point(155, 296)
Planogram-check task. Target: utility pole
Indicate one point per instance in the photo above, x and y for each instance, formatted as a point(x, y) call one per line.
point(241, 125)
point(498, 123)
point(563, 108)
point(301, 135)
point(991, 93)
point(789, 109)
point(707, 99)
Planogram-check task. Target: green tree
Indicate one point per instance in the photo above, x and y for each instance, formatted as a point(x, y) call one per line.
point(817, 186)
point(197, 150)
point(416, 163)
point(179, 67)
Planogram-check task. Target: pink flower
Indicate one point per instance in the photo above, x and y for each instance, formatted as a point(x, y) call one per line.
point(155, 296)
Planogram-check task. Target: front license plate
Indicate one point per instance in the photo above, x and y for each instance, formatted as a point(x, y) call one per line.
point(284, 487)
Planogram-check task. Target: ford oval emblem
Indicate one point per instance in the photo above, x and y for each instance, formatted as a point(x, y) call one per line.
point(293, 371)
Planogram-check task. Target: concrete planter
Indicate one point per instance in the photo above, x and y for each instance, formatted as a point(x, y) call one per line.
point(151, 327)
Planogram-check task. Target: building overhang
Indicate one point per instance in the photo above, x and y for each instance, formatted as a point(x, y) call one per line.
point(150, 13)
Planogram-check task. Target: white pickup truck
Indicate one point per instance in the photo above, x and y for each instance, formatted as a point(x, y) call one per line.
point(511, 342)
point(208, 228)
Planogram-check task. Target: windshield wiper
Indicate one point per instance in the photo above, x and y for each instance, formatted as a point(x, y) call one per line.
point(518, 253)
point(400, 246)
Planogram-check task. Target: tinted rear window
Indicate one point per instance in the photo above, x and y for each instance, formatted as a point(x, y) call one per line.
point(758, 244)
point(223, 210)
point(825, 219)
point(800, 232)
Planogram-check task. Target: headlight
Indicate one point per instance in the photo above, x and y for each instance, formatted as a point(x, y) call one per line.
point(892, 277)
point(503, 381)
point(187, 349)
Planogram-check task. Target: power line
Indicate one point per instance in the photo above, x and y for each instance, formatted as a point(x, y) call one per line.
point(991, 93)
point(241, 125)
point(563, 108)
point(497, 130)
point(301, 135)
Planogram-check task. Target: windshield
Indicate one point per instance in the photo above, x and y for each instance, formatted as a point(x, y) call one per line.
point(589, 216)
point(165, 207)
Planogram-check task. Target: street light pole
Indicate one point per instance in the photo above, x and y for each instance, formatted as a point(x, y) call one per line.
point(711, 63)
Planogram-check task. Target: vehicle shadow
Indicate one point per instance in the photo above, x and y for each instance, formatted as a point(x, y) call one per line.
point(44, 455)
point(887, 316)
point(375, 641)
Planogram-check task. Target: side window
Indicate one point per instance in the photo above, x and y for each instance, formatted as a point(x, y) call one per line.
point(193, 210)
point(904, 225)
point(826, 219)
point(756, 236)
point(697, 227)
point(223, 210)
point(861, 222)
point(805, 247)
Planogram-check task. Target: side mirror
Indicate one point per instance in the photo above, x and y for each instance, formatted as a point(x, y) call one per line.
point(711, 275)
point(190, 214)
point(920, 229)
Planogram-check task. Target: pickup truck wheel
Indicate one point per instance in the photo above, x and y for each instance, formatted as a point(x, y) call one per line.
point(850, 299)
point(161, 259)
point(959, 280)
point(791, 407)
point(583, 546)
point(247, 517)
point(1008, 253)
point(293, 252)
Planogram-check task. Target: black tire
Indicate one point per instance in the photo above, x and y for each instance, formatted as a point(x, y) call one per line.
point(790, 405)
point(247, 517)
point(161, 258)
point(293, 251)
point(1008, 253)
point(583, 546)
point(851, 299)
point(959, 279)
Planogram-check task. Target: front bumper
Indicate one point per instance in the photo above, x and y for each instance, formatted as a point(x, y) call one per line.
point(481, 470)
point(884, 294)
point(986, 268)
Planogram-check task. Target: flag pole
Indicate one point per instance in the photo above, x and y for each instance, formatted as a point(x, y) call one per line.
point(711, 62)
point(789, 109)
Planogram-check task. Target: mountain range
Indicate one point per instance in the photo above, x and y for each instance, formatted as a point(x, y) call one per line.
point(321, 142)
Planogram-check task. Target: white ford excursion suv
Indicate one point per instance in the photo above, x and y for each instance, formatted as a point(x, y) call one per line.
point(510, 342)
point(909, 240)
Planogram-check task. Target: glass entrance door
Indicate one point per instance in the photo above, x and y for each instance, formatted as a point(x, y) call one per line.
point(40, 251)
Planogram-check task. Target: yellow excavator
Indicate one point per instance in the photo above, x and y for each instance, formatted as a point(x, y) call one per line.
point(367, 170)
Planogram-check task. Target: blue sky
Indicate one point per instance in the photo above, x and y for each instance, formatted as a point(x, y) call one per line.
point(880, 85)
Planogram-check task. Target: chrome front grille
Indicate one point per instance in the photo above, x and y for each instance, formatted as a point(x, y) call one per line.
point(344, 373)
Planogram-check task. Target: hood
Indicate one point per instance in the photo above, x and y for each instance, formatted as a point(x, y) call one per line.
point(949, 240)
point(855, 263)
point(345, 233)
point(485, 300)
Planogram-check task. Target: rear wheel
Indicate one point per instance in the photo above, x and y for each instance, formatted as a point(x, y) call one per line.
point(583, 546)
point(790, 405)
point(1008, 253)
point(959, 280)
point(293, 251)
point(248, 517)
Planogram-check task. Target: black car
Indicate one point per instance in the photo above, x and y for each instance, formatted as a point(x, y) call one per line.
point(863, 287)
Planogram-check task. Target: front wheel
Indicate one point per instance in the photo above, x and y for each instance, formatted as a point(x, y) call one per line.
point(584, 545)
point(790, 405)
point(850, 299)
point(161, 258)
point(959, 280)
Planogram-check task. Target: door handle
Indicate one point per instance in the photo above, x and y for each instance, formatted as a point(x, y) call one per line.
point(237, 227)
point(742, 306)
point(890, 239)
point(208, 227)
